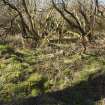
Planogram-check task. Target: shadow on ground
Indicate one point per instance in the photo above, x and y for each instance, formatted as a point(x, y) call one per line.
point(84, 93)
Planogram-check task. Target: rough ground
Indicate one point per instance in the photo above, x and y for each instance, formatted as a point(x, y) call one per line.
point(57, 74)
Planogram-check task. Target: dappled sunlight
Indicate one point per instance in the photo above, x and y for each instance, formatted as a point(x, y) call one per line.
point(52, 52)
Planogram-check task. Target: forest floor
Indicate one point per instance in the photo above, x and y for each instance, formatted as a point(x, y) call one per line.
point(57, 74)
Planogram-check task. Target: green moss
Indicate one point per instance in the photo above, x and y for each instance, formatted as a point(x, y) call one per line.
point(30, 87)
point(92, 65)
point(20, 78)
point(17, 76)
point(34, 77)
point(2, 47)
point(35, 92)
point(6, 50)
point(72, 59)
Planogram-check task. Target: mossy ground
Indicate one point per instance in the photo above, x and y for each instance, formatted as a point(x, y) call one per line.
point(28, 73)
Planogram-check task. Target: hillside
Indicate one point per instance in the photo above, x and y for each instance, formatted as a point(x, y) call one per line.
point(52, 52)
point(55, 71)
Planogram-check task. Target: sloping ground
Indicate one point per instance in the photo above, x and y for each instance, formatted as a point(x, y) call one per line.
point(57, 75)
point(18, 79)
point(81, 82)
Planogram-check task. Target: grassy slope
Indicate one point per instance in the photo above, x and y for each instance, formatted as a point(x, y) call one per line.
point(27, 73)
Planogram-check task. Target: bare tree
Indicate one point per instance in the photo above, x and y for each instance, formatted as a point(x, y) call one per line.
point(28, 31)
point(81, 16)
